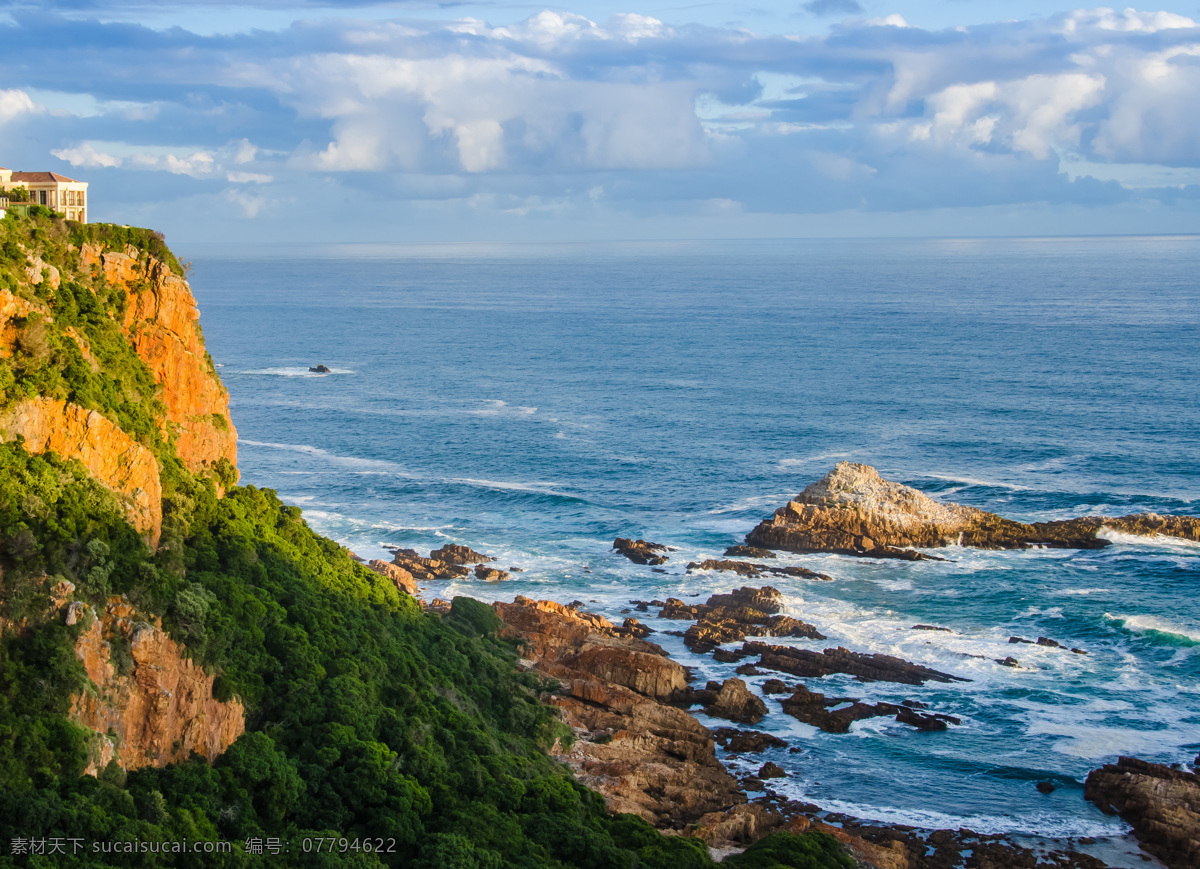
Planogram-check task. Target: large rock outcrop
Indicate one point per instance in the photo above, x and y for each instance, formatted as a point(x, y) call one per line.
point(148, 704)
point(115, 459)
point(645, 756)
point(1160, 803)
point(854, 511)
point(163, 325)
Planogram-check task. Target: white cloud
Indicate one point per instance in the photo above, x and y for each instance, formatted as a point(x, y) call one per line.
point(86, 155)
point(248, 178)
point(14, 103)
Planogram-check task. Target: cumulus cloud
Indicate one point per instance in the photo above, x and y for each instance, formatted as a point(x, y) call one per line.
point(536, 115)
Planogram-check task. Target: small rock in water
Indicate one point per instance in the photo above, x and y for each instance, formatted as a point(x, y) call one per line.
point(1045, 787)
point(1020, 640)
point(1010, 661)
point(641, 551)
point(748, 552)
point(318, 369)
point(771, 770)
point(1053, 644)
point(931, 628)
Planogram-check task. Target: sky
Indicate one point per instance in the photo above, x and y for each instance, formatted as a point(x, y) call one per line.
point(344, 120)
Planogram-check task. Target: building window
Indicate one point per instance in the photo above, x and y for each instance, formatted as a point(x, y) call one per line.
point(43, 197)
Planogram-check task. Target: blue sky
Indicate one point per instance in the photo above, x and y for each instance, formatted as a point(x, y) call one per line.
point(343, 121)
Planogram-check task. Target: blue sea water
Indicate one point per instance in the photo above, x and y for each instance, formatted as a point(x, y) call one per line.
point(536, 401)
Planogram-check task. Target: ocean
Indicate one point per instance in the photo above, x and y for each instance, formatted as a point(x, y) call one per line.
point(537, 401)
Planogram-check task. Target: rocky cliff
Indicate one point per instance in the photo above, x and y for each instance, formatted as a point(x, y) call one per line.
point(1160, 803)
point(163, 325)
point(147, 703)
point(854, 511)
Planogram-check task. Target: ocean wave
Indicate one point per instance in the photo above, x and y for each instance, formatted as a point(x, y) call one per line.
point(1120, 538)
point(1042, 824)
point(1159, 630)
point(350, 461)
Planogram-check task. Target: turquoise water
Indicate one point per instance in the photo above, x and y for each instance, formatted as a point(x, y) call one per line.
point(535, 402)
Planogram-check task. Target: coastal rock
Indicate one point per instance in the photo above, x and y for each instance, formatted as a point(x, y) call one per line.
point(452, 553)
point(748, 552)
point(401, 577)
point(1161, 804)
point(751, 570)
point(829, 713)
point(643, 755)
point(731, 617)
point(428, 568)
point(854, 511)
point(489, 574)
point(318, 369)
point(731, 700)
point(737, 741)
point(864, 667)
point(161, 709)
point(117, 461)
point(641, 551)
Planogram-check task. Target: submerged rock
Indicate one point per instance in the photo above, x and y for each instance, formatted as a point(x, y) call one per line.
point(748, 552)
point(752, 570)
point(318, 369)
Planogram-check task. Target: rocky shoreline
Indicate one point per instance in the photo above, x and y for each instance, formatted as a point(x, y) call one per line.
point(628, 703)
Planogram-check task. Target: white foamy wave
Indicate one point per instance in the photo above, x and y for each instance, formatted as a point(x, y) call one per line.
point(366, 465)
point(1120, 538)
point(976, 481)
point(1040, 824)
point(1178, 634)
point(1082, 591)
point(495, 407)
point(753, 503)
point(1095, 742)
point(538, 488)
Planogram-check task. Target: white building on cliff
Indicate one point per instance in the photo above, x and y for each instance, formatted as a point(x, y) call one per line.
point(63, 194)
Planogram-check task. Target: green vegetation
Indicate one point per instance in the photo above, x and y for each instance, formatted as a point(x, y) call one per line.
point(366, 718)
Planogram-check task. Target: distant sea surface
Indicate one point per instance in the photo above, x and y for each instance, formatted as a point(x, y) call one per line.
point(535, 402)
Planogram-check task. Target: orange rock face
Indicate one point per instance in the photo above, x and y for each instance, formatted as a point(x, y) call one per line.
point(162, 322)
point(12, 307)
point(120, 463)
point(162, 710)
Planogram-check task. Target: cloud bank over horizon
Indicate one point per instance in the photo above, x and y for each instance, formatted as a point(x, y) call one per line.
point(559, 126)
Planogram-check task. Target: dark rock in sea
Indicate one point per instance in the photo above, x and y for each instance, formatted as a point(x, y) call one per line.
point(732, 700)
point(658, 603)
point(641, 551)
point(452, 553)
point(1161, 804)
point(748, 552)
point(748, 670)
point(866, 668)
point(490, 574)
point(428, 568)
point(775, 686)
point(1010, 661)
point(1078, 651)
point(933, 722)
point(738, 741)
point(751, 571)
point(812, 707)
point(1053, 644)
point(770, 770)
point(1045, 787)
point(727, 656)
point(318, 369)
point(1020, 640)
point(931, 628)
point(516, 570)
point(654, 569)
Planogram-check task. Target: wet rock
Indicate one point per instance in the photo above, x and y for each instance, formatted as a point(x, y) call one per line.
point(738, 741)
point(401, 577)
point(452, 553)
point(931, 628)
point(828, 714)
point(1161, 804)
point(770, 770)
point(752, 571)
point(428, 568)
point(1045, 787)
point(775, 686)
point(1020, 640)
point(733, 701)
point(931, 723)
point(634, 628)
point(1053, 644)
point(641, 551)
point(489, 574)
point(319, 369)
point(1010, 661)
point(748, 552)
point(747, 670)
point(865, 668)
